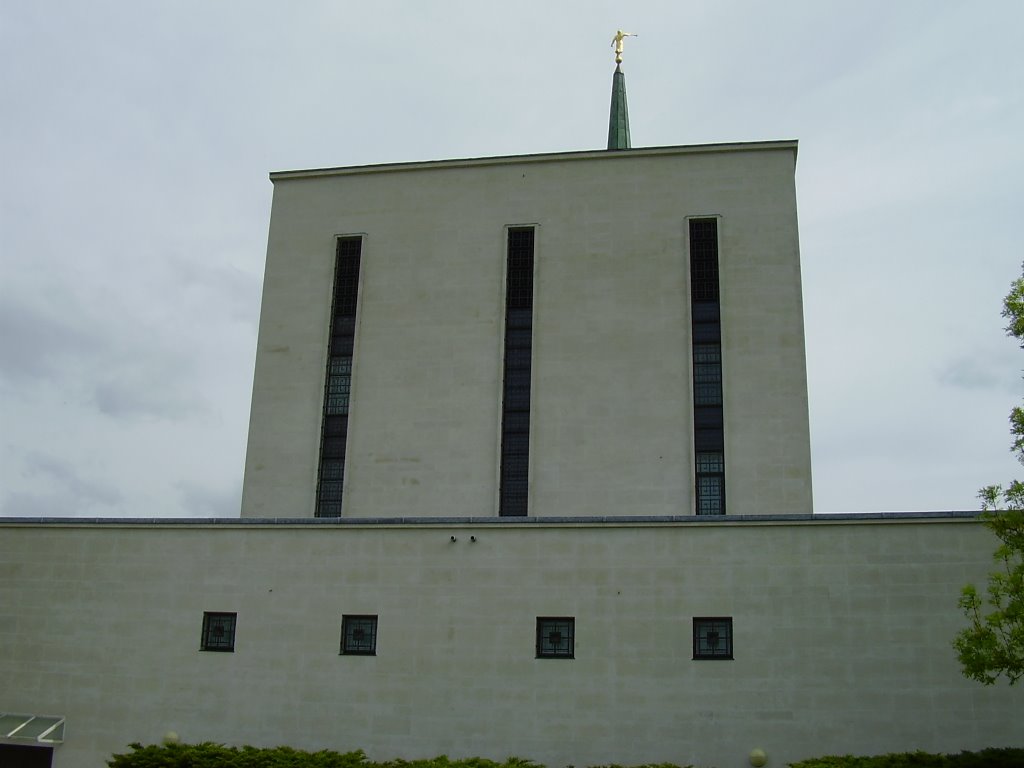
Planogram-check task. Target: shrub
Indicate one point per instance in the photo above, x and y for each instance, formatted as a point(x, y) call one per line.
point(986, 758)
point(209, 755)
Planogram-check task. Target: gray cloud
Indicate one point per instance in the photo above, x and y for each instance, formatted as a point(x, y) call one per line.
point(34, 344)
point(120, 399)
point(60, 490)
point(139, 371)
point(225, 290)
point(965, 373)
point(989, 366)
point(206, 501)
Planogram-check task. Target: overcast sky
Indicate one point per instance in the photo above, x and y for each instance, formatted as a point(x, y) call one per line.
point(136, 138)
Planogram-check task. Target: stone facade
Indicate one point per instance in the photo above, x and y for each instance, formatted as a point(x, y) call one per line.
point(842, 631)
point(611, 412)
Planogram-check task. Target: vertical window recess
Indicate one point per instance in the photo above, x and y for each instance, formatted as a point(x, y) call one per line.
point(515, 415)
point(334, 429)
point(706, 335)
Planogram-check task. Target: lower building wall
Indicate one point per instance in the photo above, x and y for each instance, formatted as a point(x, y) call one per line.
point(842, 633)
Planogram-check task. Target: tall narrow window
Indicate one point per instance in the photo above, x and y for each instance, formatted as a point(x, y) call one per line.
point(334, 432)
point(515, 415)
point(706, 325)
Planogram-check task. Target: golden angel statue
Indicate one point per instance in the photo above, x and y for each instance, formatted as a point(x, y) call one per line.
point(620, 36)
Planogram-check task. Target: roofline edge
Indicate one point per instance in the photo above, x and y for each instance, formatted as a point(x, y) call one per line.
point(618, 521)
point(546, 157)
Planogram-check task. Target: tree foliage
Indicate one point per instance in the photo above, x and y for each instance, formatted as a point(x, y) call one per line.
point(992, 645)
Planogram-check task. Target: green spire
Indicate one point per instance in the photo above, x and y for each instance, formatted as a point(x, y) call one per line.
point(618, 117)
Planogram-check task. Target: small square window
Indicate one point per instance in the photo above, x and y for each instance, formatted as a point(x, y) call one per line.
point(218, 631)
point(712, 638)
point(359, 635)
point(555, 637)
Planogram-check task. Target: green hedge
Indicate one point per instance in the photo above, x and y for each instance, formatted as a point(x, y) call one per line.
point(986, 758)
point(209, 755)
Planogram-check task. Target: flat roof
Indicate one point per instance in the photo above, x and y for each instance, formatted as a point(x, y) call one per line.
point(618, 521)
point(586, 154)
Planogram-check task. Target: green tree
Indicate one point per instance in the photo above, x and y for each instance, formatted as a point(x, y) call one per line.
point(993, 642)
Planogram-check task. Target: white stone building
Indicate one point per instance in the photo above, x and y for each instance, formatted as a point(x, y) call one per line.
point(611, 402)
point(528, 473)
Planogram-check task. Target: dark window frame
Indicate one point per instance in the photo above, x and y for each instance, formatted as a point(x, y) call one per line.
point(546, 627)
point(358, 647)
point(517, 372)
point(706, 364)
point(721, 627)
point(212, 622)
point(330, 482)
